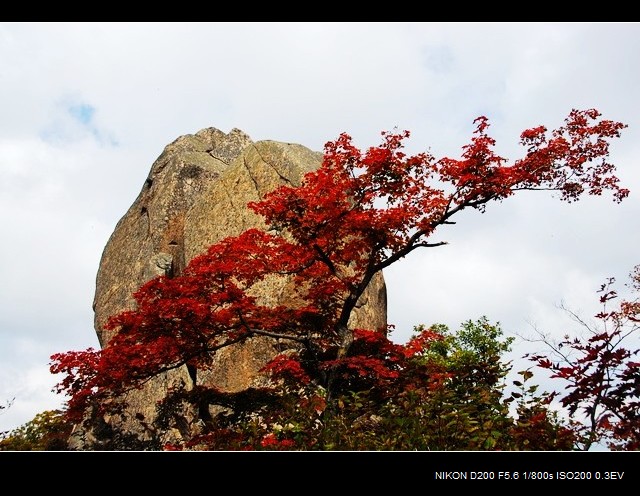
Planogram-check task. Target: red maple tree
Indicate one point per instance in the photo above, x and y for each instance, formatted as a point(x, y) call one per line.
point(360, 212)
point(601, 372)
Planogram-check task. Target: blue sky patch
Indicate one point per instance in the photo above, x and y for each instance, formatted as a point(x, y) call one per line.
point(73, 121)
point(82, 112)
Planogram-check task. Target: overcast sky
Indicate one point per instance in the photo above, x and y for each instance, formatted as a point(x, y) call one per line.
point(87, 108)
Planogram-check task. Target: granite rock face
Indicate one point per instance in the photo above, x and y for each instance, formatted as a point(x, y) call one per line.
point(195, 195)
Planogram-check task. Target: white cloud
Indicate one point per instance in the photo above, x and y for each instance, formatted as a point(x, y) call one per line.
point(29, 392)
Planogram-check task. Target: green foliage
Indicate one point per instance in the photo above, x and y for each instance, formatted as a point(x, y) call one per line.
point(465, 410)
point(47, 431)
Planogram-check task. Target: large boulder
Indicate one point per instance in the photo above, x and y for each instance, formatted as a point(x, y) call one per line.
point(195, 195)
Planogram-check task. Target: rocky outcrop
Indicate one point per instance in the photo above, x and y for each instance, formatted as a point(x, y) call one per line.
point(195, 195)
